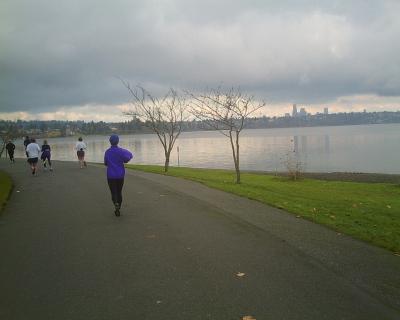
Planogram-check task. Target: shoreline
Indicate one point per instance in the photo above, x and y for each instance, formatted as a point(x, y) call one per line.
point(341, 176)
point(365, 177)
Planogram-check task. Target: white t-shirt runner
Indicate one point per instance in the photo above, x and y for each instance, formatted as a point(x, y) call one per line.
point(80, 146)
point(33, 150)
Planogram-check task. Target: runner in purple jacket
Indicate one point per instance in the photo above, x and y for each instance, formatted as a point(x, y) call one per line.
point(114, 159)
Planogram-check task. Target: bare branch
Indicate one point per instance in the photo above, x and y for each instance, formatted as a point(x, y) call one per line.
point(226, 112)
point(163, 115)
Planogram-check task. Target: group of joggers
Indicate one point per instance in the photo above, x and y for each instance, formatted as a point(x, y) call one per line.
point(114, 159)
point(33, 150)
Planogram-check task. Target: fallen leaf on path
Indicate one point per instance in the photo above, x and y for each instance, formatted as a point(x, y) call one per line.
point(248, 318)
point(240, 274)
point(151, 236)
point(158, 301)
point(397, 254)
point(18, 191)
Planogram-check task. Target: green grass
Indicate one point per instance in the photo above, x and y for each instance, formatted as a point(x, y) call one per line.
point(5, 188)
point(367, 211)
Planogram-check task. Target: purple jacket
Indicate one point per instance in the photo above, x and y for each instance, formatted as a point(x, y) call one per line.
point(114, 159)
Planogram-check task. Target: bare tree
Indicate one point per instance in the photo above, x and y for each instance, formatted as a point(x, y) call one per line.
point(164, 115)
point(226, 112)
point(9, 133)
point(294, 166)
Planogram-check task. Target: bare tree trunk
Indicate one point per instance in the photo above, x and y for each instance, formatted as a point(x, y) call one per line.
point(235, 154)
point(2, 149)
point(237, 158)
point(166, 165)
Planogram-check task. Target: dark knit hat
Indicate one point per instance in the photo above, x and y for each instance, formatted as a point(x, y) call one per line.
point(114, 139)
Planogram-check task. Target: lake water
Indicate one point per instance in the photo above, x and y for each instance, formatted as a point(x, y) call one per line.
point(366, 148)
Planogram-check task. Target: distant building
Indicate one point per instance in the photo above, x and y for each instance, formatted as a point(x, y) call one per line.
point(294, 111)
point(326, 111)
point(302, 112)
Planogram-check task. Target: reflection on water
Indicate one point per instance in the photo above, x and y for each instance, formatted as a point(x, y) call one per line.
point(369, 148)
point(327, 144)
point(296, 144)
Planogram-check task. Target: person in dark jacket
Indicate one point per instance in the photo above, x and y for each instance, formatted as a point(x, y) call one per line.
point(10, 150)
point(114, 159)
point(46, 155)
point(26, 142)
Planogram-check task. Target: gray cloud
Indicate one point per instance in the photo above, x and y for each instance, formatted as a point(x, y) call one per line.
point(70, 53)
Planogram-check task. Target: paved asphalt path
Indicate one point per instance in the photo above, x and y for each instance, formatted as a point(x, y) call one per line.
point(178, 251)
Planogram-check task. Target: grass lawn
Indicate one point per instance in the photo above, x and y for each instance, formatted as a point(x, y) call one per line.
point(5, 188)
point(368, 211)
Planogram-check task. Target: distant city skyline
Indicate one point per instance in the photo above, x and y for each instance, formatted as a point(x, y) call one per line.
point(75, 114)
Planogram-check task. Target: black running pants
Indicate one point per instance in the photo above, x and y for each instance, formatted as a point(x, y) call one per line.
point(116, 189)
point(11, 154)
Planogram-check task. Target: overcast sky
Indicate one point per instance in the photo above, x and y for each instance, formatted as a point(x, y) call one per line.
point(62, 59)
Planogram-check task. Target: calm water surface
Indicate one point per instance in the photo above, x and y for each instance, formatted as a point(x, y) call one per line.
point(367, 148)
